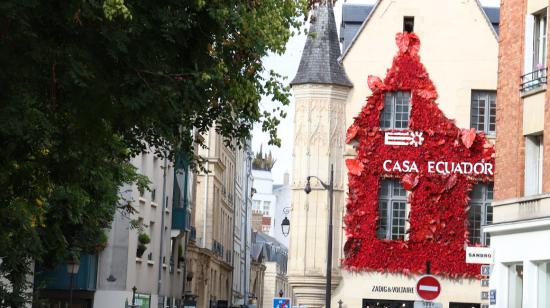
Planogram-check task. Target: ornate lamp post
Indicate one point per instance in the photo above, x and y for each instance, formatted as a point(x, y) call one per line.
point(285, 225)
point(72, 269)
point(330, 188)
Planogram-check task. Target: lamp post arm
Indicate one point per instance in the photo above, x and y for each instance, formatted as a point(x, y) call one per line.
point(325, 186)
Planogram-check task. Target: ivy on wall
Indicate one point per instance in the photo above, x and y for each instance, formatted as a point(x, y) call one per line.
point(438, 219)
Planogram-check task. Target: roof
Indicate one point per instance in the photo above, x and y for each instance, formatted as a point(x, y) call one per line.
point(491, 14)
point(319, 63)
point(353, 16)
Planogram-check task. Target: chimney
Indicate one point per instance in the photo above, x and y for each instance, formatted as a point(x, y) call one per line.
point(286, 178)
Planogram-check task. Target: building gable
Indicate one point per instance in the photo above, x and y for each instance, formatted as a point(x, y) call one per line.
point(437, 162)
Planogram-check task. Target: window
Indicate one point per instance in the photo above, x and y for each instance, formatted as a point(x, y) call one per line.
point(408, 24)
point(539, 47)
point(483, 111)
point(515, 285)
point(543, 284)
point(392, 207)
point(480, 213)
point(395, 114)
point(533, 164)
point(534, 52)
point(256, 204)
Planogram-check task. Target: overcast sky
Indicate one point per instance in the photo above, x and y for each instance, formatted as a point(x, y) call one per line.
point(287, 65)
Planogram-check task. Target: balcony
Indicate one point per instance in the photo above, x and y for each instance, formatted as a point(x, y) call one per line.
point(533, 82)
point(521, 209)
point(59, 279)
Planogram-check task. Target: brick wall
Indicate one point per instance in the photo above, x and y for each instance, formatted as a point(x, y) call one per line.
point(509, 162)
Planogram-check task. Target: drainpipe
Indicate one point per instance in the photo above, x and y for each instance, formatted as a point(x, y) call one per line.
point(248, 175)
point(234, 223)
point(204, 215)
point(162, 212)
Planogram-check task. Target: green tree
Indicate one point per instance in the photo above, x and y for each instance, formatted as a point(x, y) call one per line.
point(88, 84)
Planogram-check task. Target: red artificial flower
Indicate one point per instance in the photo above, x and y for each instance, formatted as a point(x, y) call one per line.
point(439, 204)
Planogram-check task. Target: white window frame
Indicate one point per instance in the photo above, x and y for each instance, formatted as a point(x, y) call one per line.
point(392, 101)
point(486, 212)
point(540, 34)
point(392, 202)
point(534, 151)
point(488, 99)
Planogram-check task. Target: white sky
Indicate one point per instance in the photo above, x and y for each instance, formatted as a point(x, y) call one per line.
point(287, 65)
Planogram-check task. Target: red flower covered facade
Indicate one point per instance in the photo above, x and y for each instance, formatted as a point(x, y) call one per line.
point(438, 202)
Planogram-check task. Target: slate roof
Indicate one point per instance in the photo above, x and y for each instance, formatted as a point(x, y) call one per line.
point(319, 63)
point(493, 14)
point(353, 16)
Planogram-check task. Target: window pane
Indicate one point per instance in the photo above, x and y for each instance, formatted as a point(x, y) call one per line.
point(480, 213)
point(474, 223)
point(396, 110)
point(385, 188)
point(483, 111)
point(402, 110)
point(392, 207)
point(386, 116)
point(544, 285)
point(398, 223)
point(382, 224)
point(398, 190)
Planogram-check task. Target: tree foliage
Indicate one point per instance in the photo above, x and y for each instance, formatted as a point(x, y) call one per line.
point(87, 84)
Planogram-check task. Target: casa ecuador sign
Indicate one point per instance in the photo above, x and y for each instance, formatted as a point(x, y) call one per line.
point(412, 138)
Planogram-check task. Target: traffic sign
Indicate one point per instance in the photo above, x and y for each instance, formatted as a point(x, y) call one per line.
point(281, 302)
point(484, 282)
point(493, 297)
point(484, 295)
point(485, 270)
point(428, 288)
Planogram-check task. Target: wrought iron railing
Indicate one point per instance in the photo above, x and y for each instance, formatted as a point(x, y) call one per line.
point(533, 80)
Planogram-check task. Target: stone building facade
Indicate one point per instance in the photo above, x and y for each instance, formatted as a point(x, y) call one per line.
point(328, 97)
point(212, 254)
point(520, 275)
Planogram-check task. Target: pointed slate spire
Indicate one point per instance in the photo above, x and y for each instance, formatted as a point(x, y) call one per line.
point(319, 63)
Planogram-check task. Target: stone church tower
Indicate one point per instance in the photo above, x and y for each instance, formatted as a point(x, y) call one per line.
point(320, 88)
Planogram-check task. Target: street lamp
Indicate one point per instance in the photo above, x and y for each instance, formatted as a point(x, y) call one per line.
point(72, 269)
point(285, 225)
point(330, 188)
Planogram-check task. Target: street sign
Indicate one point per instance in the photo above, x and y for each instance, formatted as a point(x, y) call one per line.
point(493, 297)
point(428, 288)
point(425, 304)
point(281, 302)
point(485, 270)
point(484, 282)
point(479, 255)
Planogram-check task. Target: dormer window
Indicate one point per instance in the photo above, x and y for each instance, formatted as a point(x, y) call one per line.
point(396, 112)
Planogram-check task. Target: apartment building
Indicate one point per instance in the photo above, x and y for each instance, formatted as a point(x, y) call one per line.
point(242, 231)
point(143, 259)
point(520, 232)
point(392, 236)
point(217, 264)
